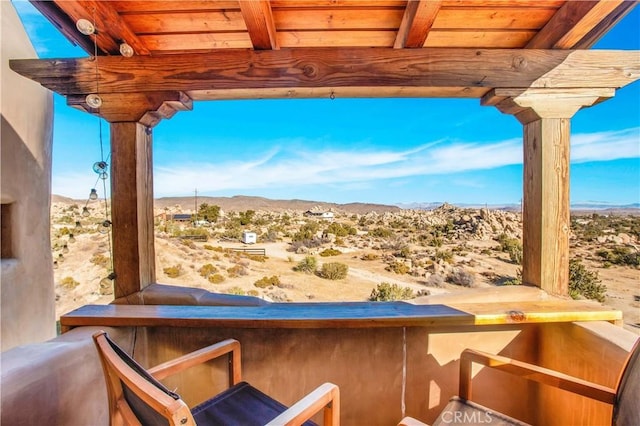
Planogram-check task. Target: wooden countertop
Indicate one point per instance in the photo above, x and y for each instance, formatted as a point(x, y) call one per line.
point(338, 315)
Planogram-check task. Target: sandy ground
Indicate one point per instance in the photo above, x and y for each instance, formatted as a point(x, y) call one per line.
point(623, 284)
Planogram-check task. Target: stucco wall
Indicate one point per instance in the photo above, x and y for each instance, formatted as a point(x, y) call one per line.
point(26, 290)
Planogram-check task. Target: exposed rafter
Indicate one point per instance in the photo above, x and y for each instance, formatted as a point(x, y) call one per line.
point(416, 23)
point(111, 29)
point(340, 68)
point(259, 20)
point(573, 22)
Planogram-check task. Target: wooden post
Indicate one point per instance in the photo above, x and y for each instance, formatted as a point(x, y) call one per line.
point(132, 208)
point(546, 116)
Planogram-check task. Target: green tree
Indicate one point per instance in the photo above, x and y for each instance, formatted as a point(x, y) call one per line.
point(209, 213)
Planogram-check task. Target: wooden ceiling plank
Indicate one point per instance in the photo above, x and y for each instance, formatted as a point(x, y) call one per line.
point(346, 67)
point(296, 4)
point(336, 19)
point(303, 39)
point(416, 23)
point(129, 6)
point(186, 22)
point(573, 21)
point(111, 30)
point(503, 3)
point(485, 18)
point(259, 20)
point(175, 43)
point(479, 39)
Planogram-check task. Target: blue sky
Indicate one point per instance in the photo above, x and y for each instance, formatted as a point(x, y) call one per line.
point(355, 150)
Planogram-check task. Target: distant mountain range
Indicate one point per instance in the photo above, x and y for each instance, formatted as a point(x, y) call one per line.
point(242, 202)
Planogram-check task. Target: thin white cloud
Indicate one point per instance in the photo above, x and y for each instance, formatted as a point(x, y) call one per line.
point(282, 168)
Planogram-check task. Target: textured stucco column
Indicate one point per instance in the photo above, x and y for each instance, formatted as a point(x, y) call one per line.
point(27, 290)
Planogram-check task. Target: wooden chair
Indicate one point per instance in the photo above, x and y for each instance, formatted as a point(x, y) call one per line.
point(624, 398)
point(137, 397)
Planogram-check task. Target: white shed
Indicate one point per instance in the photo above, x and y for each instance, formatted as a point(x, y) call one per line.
point(249, 237)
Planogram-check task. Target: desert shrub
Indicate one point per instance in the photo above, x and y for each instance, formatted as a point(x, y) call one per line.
point(254, 293)
point(173, 271)
point(460, 276)
point(215, 278)
point(405, 252)
point(265, 282)
point(585, 283)
point(620, 256)
point(370, 256)
point(188, 243)
point(511, 246)
point(334, 271)
point(330, 252)
point(340, 230)
point(256, 257)
point(209, 247)
point(236, 290)
point(306, 232)
point(517, 280)
point(436, 280)
point(207, 270)
point(308, 265)
point(386, 292)
point(69, 283)
point(444, 255)
point(381, 233)
point(236, 271)
point(398, 268)
point(100, 260)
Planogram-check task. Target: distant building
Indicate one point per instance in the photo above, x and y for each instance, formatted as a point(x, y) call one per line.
point(180, 217)
point(319, 214)
point(249, 237)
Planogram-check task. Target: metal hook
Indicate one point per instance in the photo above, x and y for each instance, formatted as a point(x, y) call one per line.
point(332, 96)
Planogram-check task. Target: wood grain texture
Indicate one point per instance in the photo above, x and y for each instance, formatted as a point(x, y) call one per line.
point(347, 67)
point(546, 205)
point(132, 208)
point(338, 315)
point(417, 21)
point(259, 20)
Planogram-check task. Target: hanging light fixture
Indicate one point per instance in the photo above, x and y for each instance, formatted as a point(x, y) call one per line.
point(93, 100)
point(65, 249)
point(126, 50)
point(72, 239)
point(78, 226)
point(100, 167)
point(85, 26)
point(94, 194)
point(104, 227)
point(85, 210)
point(55, 264)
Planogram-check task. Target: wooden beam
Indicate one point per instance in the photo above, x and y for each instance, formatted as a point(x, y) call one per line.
point(147, 108)
point(259, 20)
point(605, 25)
point(132, 208)
point(416, 23)
point(63, 23)
point(348, 67)
point(111, 30)
point(546, 116)
point(572, 22)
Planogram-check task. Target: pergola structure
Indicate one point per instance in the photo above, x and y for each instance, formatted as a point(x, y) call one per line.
point(528, 58)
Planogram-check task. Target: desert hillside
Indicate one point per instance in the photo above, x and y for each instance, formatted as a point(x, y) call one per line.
point(363, 252)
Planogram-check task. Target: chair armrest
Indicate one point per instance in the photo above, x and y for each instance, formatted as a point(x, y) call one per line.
point(410, 421)
point(203, 355)
point(325, 396)
point(529, 372)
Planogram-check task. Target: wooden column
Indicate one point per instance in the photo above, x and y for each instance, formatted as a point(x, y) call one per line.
point(546, 116)
point(132, 208)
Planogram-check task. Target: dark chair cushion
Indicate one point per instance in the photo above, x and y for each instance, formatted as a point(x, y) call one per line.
point(462, 412)
point(241, 405)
